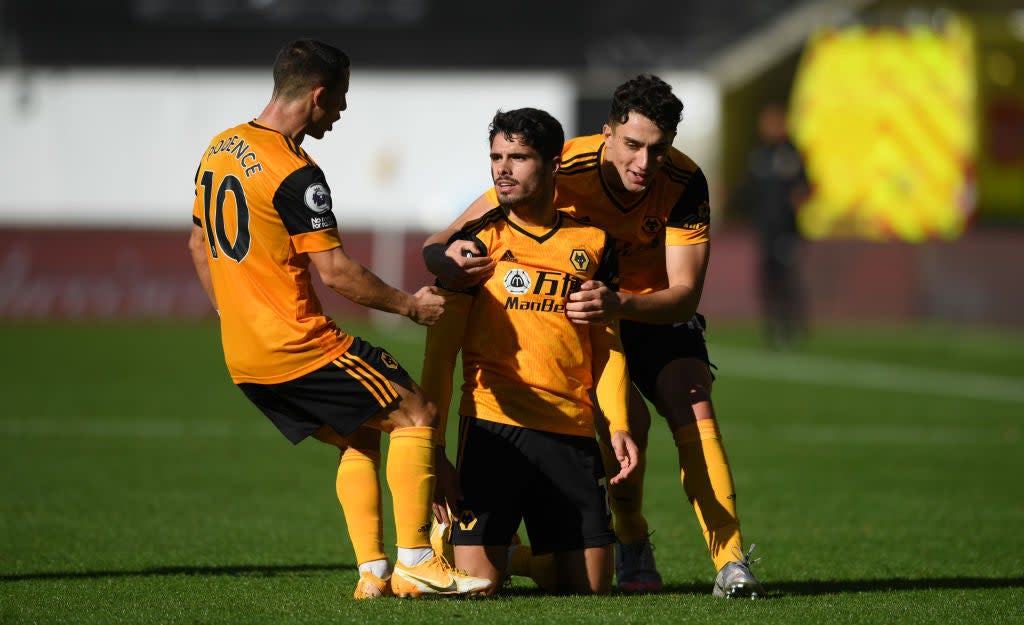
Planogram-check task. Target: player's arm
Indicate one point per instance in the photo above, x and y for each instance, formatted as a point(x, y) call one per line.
point(612, 391)
point(687, 251)
point(303, 202)
point(686, 266)
point(461, 264)
point(444, 341)
point(197, 248)
point(357, 283)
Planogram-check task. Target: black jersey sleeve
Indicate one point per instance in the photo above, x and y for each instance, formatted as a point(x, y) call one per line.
point(463, 235)
point(303, 201)
point(692, 210)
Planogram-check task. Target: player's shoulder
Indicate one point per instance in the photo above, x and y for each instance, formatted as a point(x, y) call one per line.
point(581, 153)
point(273, 150)
point(681, 171)
point(279, 147)
point(490, 219)
point(680, 162)
point(576, 221)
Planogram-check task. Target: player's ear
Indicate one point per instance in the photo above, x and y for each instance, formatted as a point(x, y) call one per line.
point(555, 164)
point(607, 132)
point(319, 94)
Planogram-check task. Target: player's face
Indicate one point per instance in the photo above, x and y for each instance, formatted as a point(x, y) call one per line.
point(329, 103)
point(636, 149)
point(520, 173)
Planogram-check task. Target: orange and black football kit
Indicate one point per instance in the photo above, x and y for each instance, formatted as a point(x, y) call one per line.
point(527, 448)
point(673, 210)
point(264, 204)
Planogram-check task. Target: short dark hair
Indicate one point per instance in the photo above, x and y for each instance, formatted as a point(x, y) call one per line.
point(306, 63)
point(538, 129)
point(649, 96)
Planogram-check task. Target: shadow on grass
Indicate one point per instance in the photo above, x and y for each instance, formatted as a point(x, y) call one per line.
point(778, 589)
point(268, 570)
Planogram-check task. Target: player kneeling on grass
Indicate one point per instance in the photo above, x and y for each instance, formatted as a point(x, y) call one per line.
point(262, 215)
point(527, 447)
point(653, 200)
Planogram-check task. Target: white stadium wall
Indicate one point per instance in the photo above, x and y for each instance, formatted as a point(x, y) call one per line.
point(96, 194)
point(98, 165)
point(97, 191)
point(120, 148)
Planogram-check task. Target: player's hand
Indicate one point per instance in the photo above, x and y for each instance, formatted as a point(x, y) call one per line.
point(593, 302)
point(464, 266)
point(447, 493)
point(428, 306)
point(627, 454)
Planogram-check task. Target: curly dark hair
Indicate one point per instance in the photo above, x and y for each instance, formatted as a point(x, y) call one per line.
point(649, 96)
point(306, 63)
point(538, 129)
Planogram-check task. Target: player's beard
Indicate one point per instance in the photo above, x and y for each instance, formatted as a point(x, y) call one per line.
point(518, 197)
point(512, 203)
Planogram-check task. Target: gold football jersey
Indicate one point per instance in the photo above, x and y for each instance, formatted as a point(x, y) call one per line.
point(674, 210)
point(524, 362)
point(264, 204)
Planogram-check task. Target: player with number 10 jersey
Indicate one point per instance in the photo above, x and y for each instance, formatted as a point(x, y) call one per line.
point(261, 199)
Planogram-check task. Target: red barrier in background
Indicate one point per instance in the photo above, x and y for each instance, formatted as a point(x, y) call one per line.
point(65, 274)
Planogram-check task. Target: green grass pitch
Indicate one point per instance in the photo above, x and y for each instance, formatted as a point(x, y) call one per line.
point(879, 471)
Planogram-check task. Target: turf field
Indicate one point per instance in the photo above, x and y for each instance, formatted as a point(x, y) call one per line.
point(879, 471)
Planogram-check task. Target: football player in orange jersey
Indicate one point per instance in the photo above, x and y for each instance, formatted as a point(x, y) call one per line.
point(262, 214)
point(653, 199)
point(527, 450)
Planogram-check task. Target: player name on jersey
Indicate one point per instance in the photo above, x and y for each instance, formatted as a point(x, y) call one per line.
point(238, 148)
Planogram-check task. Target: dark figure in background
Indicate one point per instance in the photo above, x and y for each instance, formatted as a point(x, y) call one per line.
point(776, 185)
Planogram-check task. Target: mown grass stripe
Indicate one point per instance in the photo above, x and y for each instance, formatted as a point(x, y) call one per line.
point(832, 371)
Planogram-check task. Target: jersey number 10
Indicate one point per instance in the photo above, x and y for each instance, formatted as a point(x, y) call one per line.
point(237, 250)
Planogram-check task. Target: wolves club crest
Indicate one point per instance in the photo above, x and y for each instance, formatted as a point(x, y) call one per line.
point(652, 225)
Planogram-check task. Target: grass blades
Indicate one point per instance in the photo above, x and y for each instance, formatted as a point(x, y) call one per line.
point(877, 467)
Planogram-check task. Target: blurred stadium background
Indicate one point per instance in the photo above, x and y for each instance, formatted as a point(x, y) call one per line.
point(911, 116)
point(876, 464)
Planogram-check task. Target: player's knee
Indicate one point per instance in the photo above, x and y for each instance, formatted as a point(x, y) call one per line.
point(423, 412)
point(325, 434)
point(700, 394)
point(415, 411)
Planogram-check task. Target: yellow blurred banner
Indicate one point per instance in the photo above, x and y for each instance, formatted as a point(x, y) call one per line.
point(885, 118)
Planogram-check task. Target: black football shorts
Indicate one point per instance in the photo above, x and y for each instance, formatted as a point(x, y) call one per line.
point(342, 394)
point(649, 347)
point(555, 483)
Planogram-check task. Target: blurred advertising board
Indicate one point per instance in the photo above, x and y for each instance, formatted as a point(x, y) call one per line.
point(886, 120)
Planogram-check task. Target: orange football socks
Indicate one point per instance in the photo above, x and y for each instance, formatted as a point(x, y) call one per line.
point(358, 487)
point(707, 480)
point(410, 471)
